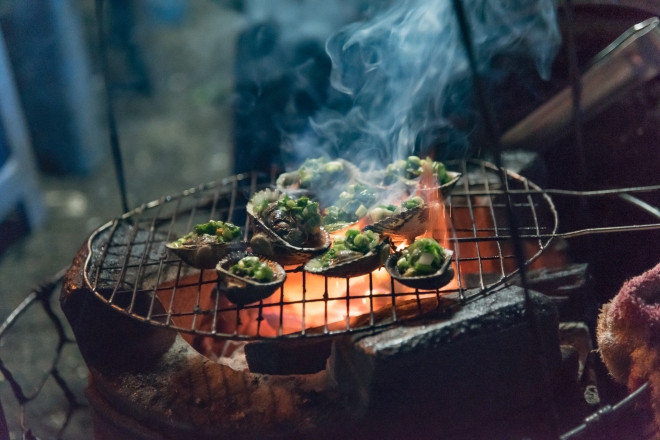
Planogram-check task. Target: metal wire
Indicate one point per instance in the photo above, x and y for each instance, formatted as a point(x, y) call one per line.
point(110, 110)
point(128, 264)
point(41, 294)
point(607, 414)
point(493, 138)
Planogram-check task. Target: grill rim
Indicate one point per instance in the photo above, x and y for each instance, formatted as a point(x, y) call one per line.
point(463, 295)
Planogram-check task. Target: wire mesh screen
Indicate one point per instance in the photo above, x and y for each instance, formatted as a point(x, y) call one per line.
point(130, 269)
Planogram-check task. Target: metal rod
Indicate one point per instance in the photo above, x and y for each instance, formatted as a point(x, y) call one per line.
point(631, 60)
point(576, 91)
point(127, 256)
point(112, 123)
point(492, 216)
point(468, 197)
point(564, 192)
point(641, 204)
point(304, 300)
point(606, 414)
point(572, 234)
point(162, 259)
point(198, 299)
point(457, 247)
point(113, 228)
point(492, 131)
point(348, 305)
point(214, 206)
point(145, 255)
point(371, 299)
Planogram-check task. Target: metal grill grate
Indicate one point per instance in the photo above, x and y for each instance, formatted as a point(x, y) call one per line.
point(130, 270)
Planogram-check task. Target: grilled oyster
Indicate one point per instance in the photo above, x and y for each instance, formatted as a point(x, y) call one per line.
point(207, 244)
point(406, 174)
point(423, 265)
point(322, 177)
point(245, 278)
point(406, 222)
point(354, 255)
point(289, 230)
point(351, 206)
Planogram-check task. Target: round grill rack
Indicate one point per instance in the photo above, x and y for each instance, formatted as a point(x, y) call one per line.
point(130, 270)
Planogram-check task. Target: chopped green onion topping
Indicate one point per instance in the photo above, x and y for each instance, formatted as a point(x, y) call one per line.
point(251, 267)
point(211, 232)
point(412, 168)
point(424, 257)
point(354, 244)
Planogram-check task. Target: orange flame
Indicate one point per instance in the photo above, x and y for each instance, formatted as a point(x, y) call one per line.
point(429, 190)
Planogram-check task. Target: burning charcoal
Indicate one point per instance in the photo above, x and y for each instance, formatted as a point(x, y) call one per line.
point(307, 356)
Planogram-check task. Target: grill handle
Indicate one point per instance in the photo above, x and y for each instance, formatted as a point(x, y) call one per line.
point(630, 60)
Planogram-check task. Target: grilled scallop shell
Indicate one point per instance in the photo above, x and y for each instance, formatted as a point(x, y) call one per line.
point(268, 243)
point(406, 224)
point(424, 282)
point(354, 267)
point(289, 183)
point(411, 223)
point(445, 189)
point(242, 291)
point(205, 254)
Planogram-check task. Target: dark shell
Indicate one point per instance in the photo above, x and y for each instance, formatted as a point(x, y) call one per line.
point(282, 251)
point(363, 265)
point(446, 188)
point(241, 291)
point(426, 282)
point(407, 224)
point(282, 223)
point(207, 255)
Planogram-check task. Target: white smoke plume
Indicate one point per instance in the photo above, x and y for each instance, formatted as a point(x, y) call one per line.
point(402, 70)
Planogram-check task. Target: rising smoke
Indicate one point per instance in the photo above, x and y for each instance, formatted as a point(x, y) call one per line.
point(406, 74)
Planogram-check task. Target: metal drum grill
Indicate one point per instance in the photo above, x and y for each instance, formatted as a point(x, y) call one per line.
point(130, 270)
